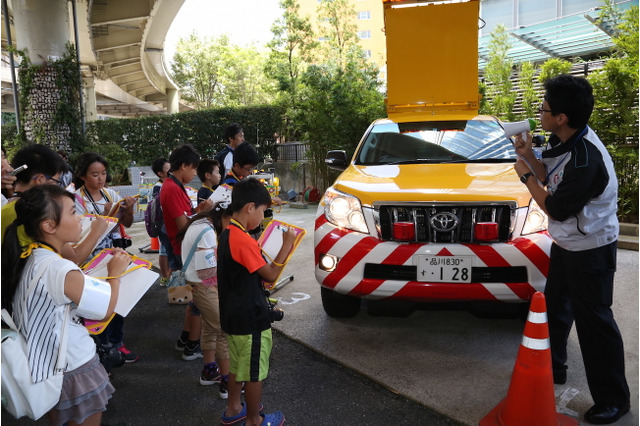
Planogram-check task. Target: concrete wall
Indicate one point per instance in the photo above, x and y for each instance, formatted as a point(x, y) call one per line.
point(294, 176)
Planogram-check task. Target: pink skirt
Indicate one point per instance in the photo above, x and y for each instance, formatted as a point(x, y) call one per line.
point(85, 391)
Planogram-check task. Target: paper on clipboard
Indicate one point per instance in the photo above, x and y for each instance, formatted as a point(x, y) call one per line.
point(133, 284)
point(120, 204)
point(86, 227)
point(271, 240)
point(222, 195)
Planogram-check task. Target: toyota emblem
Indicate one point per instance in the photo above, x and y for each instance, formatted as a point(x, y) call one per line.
point(444, 222)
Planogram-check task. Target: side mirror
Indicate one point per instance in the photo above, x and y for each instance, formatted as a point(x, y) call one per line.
point(336, 160)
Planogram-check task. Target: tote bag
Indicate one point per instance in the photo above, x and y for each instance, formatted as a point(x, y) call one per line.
point(178, 291)
point(20, 396)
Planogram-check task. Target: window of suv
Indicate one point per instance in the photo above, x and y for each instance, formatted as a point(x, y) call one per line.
point(436, 142)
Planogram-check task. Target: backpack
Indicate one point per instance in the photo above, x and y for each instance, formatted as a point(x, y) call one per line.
point(220, 156)
point(153, 219)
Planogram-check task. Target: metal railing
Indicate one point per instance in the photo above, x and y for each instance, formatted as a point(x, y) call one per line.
point(292, 151)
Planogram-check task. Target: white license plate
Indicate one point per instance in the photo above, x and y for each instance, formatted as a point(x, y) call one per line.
point(444, 269)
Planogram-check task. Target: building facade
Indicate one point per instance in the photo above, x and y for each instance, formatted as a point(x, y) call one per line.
point(513, 14)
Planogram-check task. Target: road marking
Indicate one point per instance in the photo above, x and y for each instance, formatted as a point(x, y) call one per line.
point(295, 298)
point(565, 397)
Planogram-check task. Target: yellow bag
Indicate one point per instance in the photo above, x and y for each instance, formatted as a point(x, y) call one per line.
point(180, 295)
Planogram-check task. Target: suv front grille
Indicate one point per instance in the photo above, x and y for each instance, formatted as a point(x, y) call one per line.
point(450, 223)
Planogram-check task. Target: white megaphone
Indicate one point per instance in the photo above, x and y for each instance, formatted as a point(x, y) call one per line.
point(524, 126)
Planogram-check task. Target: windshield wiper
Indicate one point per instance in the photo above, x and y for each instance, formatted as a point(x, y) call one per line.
point(416, 161)
point(482, 160)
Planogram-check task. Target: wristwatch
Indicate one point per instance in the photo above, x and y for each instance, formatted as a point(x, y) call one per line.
point(525, 176)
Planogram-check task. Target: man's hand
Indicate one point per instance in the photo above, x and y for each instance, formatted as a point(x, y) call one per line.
point(524, 147)
point(521, 167)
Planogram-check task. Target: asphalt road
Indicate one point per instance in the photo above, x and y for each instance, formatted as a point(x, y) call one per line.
point(443, 356)
point(307, 387)
point(365, 370)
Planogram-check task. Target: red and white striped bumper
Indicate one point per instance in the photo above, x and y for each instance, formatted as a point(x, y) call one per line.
point(355, 250)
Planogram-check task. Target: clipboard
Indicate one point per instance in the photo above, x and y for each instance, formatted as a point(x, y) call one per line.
point(271, 242)
point(192, 193)
point(222, 195)
point(134, 283)
point(97, 327)
point(86, 227)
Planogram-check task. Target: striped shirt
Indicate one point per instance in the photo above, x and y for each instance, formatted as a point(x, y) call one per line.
point(39, 316)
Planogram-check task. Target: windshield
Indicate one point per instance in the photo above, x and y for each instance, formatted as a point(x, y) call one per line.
point(436, 142)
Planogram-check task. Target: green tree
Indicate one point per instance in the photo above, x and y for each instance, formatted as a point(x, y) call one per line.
point(498, 86)
point(615, 115)
point(552, 68)
point(336, 106)
point(338, 97)
point(244, 82)
point(197, 67)
point(336, 21)
point(530, 97)
point(292, 47)
point(212, 72)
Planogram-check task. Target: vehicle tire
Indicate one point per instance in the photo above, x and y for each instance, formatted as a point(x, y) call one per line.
point(338, 305)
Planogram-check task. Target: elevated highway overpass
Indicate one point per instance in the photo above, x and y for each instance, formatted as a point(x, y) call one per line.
point(120, 45)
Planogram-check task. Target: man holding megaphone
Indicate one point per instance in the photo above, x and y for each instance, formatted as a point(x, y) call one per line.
point(575, 184)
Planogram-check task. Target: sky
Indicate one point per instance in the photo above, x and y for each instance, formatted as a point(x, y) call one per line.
point(245, 21)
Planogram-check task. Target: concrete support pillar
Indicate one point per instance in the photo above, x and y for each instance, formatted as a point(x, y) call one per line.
point(43, 30)
point(173, 98)
point(90, 104)
point(42, 27)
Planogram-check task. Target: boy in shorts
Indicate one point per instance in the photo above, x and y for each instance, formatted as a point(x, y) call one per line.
point(244, 313)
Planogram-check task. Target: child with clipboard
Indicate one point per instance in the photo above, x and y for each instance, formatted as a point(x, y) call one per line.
point(244, 311)
point(93, 198)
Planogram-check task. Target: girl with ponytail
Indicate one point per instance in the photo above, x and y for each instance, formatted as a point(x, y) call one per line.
point(48, 215)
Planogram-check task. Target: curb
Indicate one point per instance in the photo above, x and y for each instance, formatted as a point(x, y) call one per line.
point(628, 238)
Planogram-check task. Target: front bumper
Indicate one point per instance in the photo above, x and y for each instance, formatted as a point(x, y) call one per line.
point(374, 269)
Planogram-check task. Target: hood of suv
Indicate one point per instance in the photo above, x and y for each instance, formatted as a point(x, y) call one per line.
point(433, 183)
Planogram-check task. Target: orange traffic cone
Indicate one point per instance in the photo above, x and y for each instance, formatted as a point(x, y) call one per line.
point(155, 244)
point(530, 400)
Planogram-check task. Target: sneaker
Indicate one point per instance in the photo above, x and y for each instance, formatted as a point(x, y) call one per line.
point(210, 375)
point(191, 353)
point(224, 389)
point(180, 344)
point(129, 357)
point(164, 282)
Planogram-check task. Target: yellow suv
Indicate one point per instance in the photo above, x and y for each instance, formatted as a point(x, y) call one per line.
point(429, 211)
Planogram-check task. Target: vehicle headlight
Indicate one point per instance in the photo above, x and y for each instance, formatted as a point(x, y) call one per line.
point(536, 220)
point(344, 210)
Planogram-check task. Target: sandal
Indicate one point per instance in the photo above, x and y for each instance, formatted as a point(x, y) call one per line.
point(273, 419)
point(241, 416)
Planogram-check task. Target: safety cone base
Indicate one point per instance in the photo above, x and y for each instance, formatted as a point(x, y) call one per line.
point(530, 400)
point(495, 418)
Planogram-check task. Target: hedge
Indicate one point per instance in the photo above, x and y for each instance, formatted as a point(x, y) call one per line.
point(147, 138)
